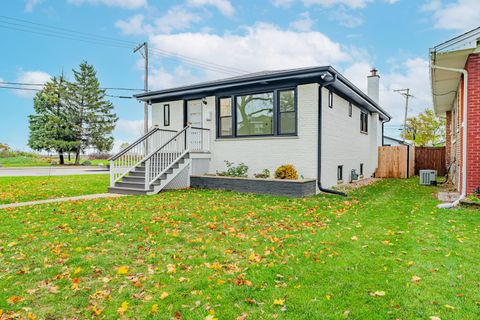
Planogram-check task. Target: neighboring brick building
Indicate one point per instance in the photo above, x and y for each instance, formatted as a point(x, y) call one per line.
point(451, 63)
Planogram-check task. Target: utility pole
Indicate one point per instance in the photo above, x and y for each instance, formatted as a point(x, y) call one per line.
point(145, 84)
point(407, 95)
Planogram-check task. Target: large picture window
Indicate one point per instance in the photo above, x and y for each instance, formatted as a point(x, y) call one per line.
point(255, 114)
point(272, 113)
point(225, 117)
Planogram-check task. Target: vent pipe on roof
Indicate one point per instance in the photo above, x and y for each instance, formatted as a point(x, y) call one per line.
point(373, 85)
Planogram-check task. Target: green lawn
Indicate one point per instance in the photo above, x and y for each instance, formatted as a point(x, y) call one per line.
point(26, 161)
point(385, 252)
point(21, 189)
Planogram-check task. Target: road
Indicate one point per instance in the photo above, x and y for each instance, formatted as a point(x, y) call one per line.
point(50, 171)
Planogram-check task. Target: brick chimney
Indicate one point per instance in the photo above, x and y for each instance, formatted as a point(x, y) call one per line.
point(373, 85)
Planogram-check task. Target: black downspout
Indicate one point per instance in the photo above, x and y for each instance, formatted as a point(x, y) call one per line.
point(319, 159)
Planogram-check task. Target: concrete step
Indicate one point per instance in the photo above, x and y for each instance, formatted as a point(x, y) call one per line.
point(140, 179)
point(126, 191)
point(131, 185)
point(136, 174)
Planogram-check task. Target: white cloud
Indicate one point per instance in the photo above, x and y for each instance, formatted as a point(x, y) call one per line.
point(262, 46)
point(34, 77)
point(303, 23)
point(354, 4)
point(224, 6)
point(460, 15)
point(346, 19)
point(176, 18)
point(132, 26)
point(283, 3)
point(412, 73)
point(160, 78)
point(126, 131)
point(127, 4)
point(30, 4)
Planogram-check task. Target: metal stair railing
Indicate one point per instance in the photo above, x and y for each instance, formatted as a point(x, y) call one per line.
point(133, 155)
point(158, 162)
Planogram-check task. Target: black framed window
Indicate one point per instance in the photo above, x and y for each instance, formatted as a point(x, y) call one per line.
point(270, 113)
point(330, 99)
point(350, 109)
point(225, 117)
point(166, 115)
point(254, 116)
point(361, 169)
point(287, 123)
point(340, 173)
point(363, 122)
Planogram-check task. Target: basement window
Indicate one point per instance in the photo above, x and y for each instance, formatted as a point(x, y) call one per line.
point(166, 115)
point(339, 173)
point(361, 169)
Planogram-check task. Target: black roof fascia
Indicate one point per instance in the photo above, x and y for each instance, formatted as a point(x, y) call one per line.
point(342, 87)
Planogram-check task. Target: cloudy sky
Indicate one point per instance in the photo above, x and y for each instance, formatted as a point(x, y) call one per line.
point(196, 40)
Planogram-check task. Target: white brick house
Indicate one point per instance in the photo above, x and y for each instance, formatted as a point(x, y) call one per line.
point(313, 118)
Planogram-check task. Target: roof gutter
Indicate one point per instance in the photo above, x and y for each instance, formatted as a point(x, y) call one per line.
point(166, 94)
point(464, 125)
point(319, 148)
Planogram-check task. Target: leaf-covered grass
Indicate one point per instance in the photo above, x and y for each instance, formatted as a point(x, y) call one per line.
point(386, 252)
point(22, 189)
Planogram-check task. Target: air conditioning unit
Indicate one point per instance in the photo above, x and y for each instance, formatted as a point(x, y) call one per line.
point(428, 177)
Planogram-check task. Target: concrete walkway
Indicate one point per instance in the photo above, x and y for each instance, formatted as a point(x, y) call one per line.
point(50, 171)
point(85, 197)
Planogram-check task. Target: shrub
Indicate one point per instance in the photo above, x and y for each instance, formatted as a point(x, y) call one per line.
point(99, 156)
point(86, 163)
point(234, 171)
point(264, 175)
point(287, 172)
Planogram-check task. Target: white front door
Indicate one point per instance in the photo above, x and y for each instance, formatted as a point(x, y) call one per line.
point(194, 113)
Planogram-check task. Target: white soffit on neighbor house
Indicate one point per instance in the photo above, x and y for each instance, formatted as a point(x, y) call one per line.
point(445, 83)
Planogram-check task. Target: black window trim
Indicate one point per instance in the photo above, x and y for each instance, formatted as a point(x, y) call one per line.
point(350, 109)
point(219, 116)
point(340, 173)
point(166, 111)
point(330, 99)
point(276, 119)
point(362, 115)
point(361, 169)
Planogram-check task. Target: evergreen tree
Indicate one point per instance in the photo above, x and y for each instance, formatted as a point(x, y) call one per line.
point(94, 118)
point(51, 126)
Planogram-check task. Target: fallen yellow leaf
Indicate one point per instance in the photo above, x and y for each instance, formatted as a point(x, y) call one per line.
point(377, 293)
point(123, 308)
point(122, 270)
point(155, 308)
point(164, 295)
point(279, 302)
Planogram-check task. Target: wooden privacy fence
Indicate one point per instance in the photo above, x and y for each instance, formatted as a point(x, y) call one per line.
point(396, 162)
point(431, 158)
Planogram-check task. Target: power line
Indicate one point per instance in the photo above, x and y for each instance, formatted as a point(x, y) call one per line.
point(42, 85)
point(38, 90)
point(68, 34)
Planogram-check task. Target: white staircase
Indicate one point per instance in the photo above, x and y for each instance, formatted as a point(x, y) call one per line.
point(152, 162)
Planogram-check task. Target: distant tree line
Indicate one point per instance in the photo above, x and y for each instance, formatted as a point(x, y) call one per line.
point(71, 117)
